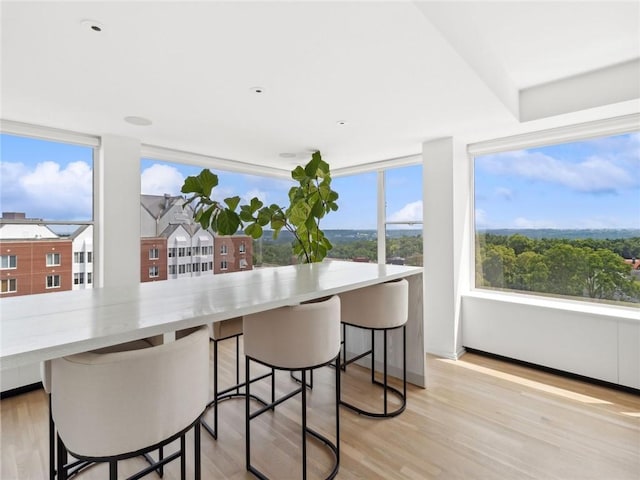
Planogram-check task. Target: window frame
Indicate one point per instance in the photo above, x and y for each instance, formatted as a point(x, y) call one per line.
point(8, 282)
point(53, 255)
point(9, 257)
point(38, 132)
point(55, 281)
point(622, 125)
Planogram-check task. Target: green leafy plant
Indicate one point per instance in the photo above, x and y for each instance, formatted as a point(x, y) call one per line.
point(309, 202)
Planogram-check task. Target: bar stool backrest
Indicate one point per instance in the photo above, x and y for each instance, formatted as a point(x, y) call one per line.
point(385, 305)
point(108, 404)
point(294, 337)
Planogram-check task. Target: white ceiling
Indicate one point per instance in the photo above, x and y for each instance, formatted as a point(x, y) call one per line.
point(398, 73)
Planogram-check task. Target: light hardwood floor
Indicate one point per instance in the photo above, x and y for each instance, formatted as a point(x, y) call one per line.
point(479, 418)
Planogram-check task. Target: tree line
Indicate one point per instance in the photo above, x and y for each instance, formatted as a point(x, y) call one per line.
point(591, 268)
point(408, 247)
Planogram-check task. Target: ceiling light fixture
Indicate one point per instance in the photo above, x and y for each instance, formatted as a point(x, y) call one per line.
point(141, 121)
point(257, 90)
point(92, 26)
point(341, 123)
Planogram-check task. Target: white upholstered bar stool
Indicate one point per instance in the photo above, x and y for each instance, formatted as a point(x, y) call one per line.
point(74, 467)
point(296, 338)
point(113, 406)
point(383, 307)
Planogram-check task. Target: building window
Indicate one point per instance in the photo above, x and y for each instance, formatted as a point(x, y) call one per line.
point(89, 257)
point(223, 249)
point(181, 251)
point(53, 259)
point(172, 252)
point(8, 262)
point(223, 265)
point(53, 281)
point(172, 269)
point(196, 250)
point(154, 254)
point(188, 251)
point(210, 265)
point(78, 257)
point(8, 286)
point(78, 278)
point(188, 267)
point(205, 266)
point(181, 269)
point(196, 267)
point(560, 220)
point(154, 271)
point(242, 248)
point(243, 263)
point(89, 278)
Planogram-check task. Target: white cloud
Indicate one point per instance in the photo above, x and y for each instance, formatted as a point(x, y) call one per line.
point(411, 212)
point(159, 179)
point(481, 218)
point(47, 190)
point(594, 174)
point(504, 193)
point(522, 222)
point(261, 195)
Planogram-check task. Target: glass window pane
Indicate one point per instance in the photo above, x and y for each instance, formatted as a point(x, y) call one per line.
point(403, 199)
point(561, 220)
point(352, 229)
point(46, 187)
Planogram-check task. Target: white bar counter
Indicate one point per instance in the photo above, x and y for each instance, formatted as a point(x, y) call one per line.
point(35, 328)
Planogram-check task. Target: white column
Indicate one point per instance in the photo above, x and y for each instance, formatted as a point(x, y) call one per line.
point(446, 183)
point(381, 219)
point(117, 208)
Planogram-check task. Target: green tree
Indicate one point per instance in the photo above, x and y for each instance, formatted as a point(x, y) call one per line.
point(530, 272)
point(566, 269)
point(519, 243)
point(607, 276)
point(497, 265)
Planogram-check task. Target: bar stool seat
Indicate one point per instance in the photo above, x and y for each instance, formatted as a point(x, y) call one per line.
point(383, 307)
point(113, 405)
point(296, 338)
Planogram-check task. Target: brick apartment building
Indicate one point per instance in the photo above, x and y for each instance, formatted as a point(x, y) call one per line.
point(34, 259)
point(173, 246)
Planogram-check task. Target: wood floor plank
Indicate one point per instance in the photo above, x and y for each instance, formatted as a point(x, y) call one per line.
point(479, 418)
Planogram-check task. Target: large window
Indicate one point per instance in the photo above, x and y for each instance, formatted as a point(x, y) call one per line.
point(46, 195)
point(561, 220)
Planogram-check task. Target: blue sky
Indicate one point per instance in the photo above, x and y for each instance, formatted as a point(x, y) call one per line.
point(589, 184)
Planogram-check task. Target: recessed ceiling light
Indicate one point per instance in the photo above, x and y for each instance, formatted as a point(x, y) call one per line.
point(92, 26)
point(138, 121)
point(287, 155)
point(341, 123)
point(257, 90)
